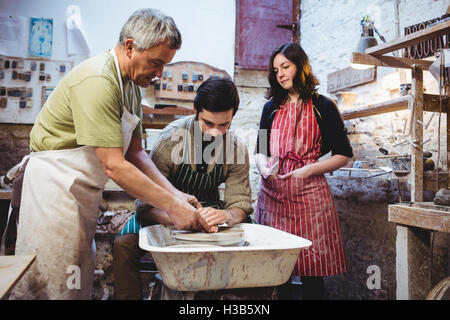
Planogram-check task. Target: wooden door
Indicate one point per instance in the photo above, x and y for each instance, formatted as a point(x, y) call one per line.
point(261, 27)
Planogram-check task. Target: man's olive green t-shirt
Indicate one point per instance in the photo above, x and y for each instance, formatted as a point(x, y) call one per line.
point(85, 109)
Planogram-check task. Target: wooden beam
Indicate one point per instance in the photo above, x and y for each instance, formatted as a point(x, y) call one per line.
point(410, 39)
point(413, 263)
point(401, 262)
point(448, 144)
point(379, 108)
point(151, 125)
point(416, 178)
point(296, 19)
point(349, 77)
point(432, 217)
point(430, 103)
point(388, 61)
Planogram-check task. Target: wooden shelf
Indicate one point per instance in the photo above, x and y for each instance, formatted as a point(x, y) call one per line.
point(388, 61)
point(168, 110)
point(417, 102)
point(375, 55)
point(159, 118)
point(410, 39)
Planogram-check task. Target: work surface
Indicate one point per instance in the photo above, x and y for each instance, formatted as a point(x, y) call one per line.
point(11, 270)
point(425, 215)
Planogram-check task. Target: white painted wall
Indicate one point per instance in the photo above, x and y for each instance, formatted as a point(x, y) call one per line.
point(207, 27)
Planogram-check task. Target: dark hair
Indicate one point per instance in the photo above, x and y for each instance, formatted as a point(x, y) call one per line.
point(217, 94)
point(304, 81)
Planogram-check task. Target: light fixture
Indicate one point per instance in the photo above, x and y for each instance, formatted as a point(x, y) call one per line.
point(366, 41)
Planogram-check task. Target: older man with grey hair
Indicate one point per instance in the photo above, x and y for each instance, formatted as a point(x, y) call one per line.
point(89, 131)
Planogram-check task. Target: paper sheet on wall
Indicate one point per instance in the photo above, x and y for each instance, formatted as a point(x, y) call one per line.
point(13, 35)
point(76, 37)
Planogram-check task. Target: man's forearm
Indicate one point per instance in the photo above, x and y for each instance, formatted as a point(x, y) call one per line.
point(153, 215)
point(138, 185)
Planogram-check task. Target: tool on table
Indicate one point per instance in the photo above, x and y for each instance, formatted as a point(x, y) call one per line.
point(386, 170)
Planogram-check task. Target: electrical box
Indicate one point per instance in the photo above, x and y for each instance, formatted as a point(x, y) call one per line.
point(180, 80)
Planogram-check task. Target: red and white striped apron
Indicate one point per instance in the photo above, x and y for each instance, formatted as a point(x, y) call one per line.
point(302, 206)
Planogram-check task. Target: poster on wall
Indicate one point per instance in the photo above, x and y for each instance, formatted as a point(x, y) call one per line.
point(41, 37)
point(13, 30)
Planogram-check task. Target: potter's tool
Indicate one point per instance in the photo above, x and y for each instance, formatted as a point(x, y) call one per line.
point(386, 170)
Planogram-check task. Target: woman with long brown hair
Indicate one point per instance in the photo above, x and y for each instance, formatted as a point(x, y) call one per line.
point(297, 127)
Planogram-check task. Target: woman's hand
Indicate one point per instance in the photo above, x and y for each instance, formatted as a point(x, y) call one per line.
point(263, 162)
point(267, 172)
point(314, 169)
point(303, 172)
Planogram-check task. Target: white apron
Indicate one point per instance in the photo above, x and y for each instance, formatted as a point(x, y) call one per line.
point(62, 190)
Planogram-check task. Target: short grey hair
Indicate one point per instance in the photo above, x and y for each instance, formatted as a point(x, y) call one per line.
point(150, 27)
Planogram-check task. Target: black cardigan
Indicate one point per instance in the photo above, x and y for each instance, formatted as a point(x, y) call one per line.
point(331, 125)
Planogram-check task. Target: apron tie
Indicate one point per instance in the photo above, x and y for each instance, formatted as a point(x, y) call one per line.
point(290, 155)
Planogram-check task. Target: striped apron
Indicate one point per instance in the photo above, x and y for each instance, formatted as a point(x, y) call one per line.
point(302, 206)
point(204, 186)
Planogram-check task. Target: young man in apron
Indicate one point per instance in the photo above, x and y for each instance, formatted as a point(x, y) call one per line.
point(182, 154)
point(89, 131)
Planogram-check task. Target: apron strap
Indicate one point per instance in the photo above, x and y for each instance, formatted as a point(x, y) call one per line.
point(119, 76)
